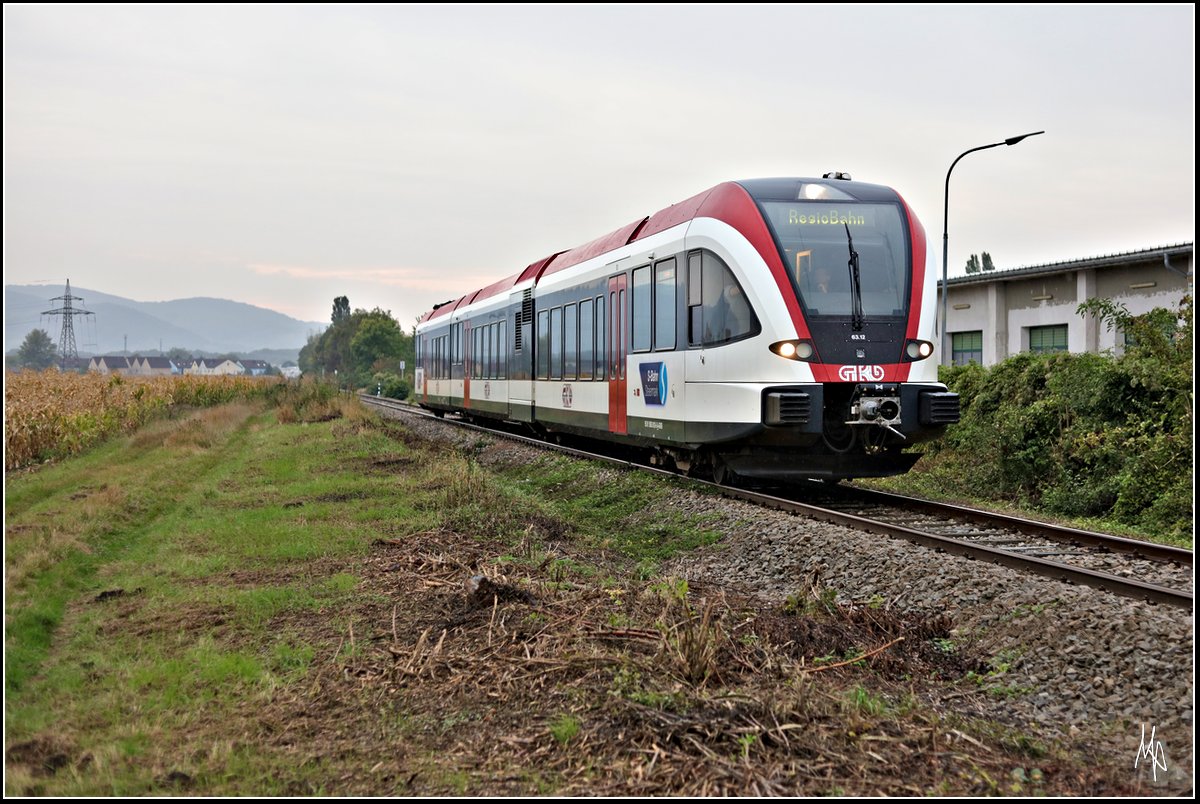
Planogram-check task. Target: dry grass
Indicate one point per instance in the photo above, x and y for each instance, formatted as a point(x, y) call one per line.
point(52, 414)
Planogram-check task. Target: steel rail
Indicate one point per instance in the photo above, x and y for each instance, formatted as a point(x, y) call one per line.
point(1141, 549)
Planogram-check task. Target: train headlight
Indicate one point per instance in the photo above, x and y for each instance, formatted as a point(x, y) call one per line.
point(793, 350)
point(918, 350)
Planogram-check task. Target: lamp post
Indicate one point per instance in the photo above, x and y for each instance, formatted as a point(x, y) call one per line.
point(946, 238)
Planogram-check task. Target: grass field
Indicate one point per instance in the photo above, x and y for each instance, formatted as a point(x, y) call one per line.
point(230, 604)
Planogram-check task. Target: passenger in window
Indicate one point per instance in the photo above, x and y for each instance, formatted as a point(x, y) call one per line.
point(738, 321)
point(821, 280)
point(728, 318)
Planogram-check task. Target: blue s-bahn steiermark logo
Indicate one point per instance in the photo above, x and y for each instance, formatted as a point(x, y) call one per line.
point(654, 383)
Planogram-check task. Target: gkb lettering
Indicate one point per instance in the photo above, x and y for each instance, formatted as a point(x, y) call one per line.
point(861, 373)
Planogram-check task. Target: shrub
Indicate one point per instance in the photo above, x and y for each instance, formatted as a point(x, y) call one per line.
point(1082, 434)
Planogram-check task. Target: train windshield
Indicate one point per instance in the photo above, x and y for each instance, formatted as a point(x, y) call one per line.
point(817, 238)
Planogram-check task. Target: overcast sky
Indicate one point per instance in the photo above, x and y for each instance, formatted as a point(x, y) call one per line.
point(404, 155)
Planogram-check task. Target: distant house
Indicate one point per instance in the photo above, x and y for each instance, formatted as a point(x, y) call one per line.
point(109, 364)
point(291, 372)
point(207, 366)
point(255, 368)
point(153, 367)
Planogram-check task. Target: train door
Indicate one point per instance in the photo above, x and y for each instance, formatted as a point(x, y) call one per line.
point(617, 349)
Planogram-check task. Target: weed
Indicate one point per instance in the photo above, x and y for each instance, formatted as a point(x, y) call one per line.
point(565, 728)
point(695, 642)
point(628, 683)
point(867, 703)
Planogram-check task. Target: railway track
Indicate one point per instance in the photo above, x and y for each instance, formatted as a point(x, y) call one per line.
point(1143, 570)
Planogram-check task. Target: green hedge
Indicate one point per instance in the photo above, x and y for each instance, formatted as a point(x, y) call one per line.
point(1081, 434)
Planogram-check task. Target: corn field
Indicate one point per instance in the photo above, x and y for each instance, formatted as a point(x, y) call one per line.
point(53, 414)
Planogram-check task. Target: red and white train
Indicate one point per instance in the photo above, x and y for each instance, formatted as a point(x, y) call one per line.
point(770, 328)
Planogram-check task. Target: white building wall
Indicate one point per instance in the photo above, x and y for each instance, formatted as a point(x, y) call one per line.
point(1005, 308)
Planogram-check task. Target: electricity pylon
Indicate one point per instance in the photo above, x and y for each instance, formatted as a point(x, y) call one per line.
point(66, 341)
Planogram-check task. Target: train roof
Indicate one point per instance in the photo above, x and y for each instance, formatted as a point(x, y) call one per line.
point(711, 200)
point(791, 189)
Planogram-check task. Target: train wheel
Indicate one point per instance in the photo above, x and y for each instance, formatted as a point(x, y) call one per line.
point(722, 474)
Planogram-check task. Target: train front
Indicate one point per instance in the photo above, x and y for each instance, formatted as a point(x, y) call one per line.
point(853, 260)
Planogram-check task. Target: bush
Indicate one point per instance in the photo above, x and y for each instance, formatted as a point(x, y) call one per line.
point(1081, 434)
point(390, 385)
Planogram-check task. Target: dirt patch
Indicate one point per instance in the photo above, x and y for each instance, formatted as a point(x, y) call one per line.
point(44, 755)
point(113, 594)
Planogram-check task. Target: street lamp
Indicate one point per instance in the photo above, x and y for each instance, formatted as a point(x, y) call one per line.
point(946, 238)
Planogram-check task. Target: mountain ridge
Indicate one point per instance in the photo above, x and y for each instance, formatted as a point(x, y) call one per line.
point(197, 323)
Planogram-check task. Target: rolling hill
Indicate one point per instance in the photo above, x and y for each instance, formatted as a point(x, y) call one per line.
point(198, 324)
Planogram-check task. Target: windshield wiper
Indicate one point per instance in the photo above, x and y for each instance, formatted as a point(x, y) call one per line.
point(856, 311)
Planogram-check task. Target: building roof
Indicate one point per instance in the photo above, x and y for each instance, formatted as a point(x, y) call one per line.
point(1150, 255)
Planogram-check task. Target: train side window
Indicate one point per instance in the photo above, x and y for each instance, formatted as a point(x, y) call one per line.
point(494, 333)
point(480, 352)
point(664, 304)
point(483, 352)
point(543, 345)
point(723, 313)
point(570, 342)
point(601, 368)
point(642, 310)
point(503, 374)
point(587, 340)
point(695, 301)
point(556, 343)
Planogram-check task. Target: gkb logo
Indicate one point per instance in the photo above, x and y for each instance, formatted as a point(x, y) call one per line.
point(861, 373)
point(654, 382)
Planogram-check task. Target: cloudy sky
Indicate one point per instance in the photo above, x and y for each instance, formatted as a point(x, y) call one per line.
point(403, 155)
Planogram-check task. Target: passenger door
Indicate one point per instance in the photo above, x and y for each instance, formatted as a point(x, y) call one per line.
point(617, 349)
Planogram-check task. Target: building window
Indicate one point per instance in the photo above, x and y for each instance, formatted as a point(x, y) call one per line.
point(1048, 339)
point(966, 347)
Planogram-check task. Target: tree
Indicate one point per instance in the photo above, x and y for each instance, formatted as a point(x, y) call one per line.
point(377, 338)
point(987, 262)
point(973, 264)
point(341, 309)
point(356, 345)
point(180, 356)
point(37, 351)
